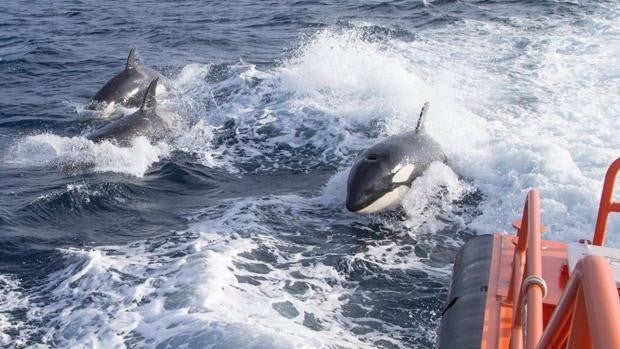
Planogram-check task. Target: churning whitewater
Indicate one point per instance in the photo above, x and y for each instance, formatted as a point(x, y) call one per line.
point(231, 231)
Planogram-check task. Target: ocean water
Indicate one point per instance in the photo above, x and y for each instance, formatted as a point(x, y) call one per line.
point(232, 232)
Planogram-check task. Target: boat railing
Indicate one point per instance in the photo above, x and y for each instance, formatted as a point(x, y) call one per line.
point(588, 313)
point(607, 205)
point(527, 286)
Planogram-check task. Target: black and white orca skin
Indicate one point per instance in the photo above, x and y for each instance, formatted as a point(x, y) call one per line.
point(382, 174)
point(144, 122)
point(127, 88)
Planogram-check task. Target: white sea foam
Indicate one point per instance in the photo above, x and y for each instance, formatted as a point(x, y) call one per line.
point(232, 280)
point(73, 152)
point(352, 79)
point(547, 117)
point(201, 288)
point(12, 299)
point(433, 193)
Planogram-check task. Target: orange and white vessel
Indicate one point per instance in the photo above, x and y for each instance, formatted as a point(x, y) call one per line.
point(520, 291)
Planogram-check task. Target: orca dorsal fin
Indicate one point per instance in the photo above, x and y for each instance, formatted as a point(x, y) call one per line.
point(149, 103)
point(131, 60)
point(423, 112)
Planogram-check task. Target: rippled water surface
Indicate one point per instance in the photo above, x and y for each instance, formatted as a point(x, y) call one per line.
point(232, 232)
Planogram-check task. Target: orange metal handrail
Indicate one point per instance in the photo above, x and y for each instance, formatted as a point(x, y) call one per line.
point(607, 204)
point(588, 313)
point(528, 249)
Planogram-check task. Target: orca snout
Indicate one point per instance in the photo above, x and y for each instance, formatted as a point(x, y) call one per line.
point(354, 202)
point(363, 192)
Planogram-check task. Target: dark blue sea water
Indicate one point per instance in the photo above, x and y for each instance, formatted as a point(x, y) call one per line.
point(232, 232)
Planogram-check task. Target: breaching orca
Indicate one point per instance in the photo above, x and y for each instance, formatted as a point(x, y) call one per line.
point(382, 174)
point(144, 122)
point(127, 88)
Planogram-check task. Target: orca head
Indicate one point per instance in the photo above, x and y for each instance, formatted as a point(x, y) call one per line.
point(378, 181)
point(382, 174)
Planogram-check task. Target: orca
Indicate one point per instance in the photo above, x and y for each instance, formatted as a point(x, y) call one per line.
point(127, 88)
point(382, 174)
point(144, 122)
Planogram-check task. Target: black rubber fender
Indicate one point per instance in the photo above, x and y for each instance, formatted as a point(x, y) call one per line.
point(463, 314)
